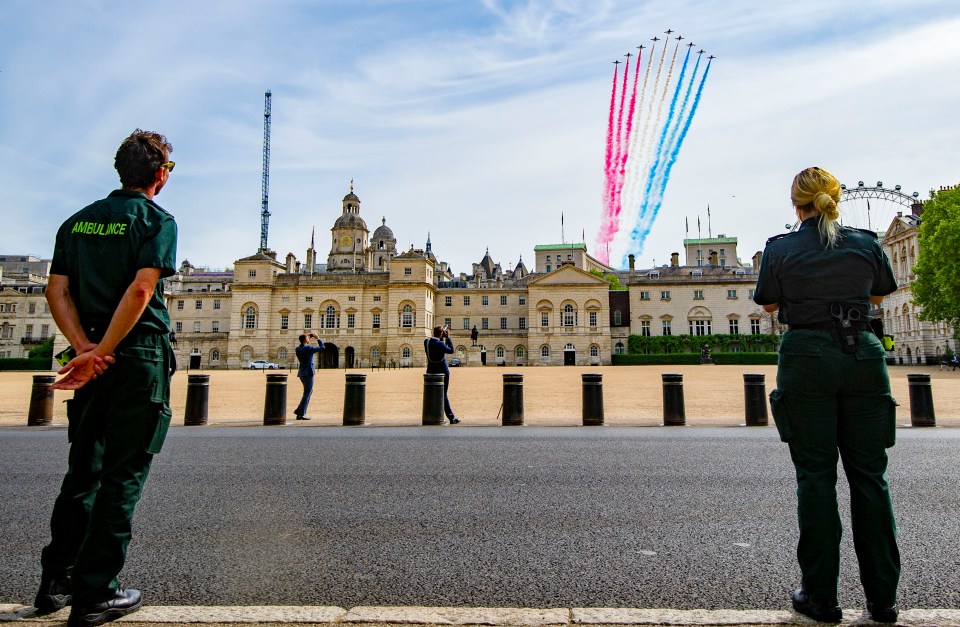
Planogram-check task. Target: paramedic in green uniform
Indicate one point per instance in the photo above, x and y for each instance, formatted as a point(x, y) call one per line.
point(832, 399)
point(106, 296)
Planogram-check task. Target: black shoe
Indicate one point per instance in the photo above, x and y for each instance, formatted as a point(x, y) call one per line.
point(302, 418)
point(454, 420)
point(124, 601)
point(54, 594)
point(820, 610)
point(881, 614)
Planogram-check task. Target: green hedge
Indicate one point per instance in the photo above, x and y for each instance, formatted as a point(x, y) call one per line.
point(719, 343)
point(24, 363)
point(726, 359)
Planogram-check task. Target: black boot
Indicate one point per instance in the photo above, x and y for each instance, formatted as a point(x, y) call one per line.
point(882, 614)
point(54, 594)
point(819, 609)
point(123, 602)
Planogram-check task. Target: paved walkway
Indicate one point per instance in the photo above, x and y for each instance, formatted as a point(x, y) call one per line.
point(151, 616)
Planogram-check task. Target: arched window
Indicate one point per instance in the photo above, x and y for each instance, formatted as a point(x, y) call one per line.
point(569, 316)
point(250, 318)
point(215, 355)
point(282, 354)
point(501, 352)
point(246, 354)
point(520, 352)
point(594, 350)
point(375, 354)
point(331, 320)
point(406, 352)
point(544, 351)
point(618, 349)
point(406, 317)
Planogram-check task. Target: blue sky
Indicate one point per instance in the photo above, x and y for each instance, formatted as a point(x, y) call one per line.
point(478, 121)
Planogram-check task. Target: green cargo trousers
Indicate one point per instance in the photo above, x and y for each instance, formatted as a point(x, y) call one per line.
point(116, 423)
point(830, 405)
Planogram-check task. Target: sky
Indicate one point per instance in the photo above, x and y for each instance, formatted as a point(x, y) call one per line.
point(478, 122)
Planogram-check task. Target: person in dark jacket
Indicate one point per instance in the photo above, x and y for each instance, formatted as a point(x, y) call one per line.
point(832, 400)
point(305, 372)
point(437, 349)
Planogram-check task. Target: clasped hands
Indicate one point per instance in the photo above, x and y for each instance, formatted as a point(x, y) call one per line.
point(86, 366)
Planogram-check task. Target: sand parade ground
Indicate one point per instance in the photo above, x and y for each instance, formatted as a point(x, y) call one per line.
point(713, 395)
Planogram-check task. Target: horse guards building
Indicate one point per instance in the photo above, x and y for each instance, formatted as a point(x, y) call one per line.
point(374, 304)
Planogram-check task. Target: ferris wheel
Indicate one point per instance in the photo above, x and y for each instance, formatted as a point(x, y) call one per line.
point(873, 207)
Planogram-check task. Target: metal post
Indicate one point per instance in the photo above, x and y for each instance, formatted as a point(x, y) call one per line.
point(592, 400)
point(41, 400)
point(755, 399)
point(198, 398)
point(921, 401)
point(355, 400)
point(433, 400)
point(673, 410)
point(512, 400)
point(275, 402)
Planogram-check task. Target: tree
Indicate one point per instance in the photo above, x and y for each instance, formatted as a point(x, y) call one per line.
point(937, 286)
point(43, 351)
point(612, 279)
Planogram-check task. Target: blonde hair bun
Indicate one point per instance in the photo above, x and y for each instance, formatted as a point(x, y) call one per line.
point(826, 206)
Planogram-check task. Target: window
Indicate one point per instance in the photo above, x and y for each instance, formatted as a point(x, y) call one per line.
point(755, 326)
point(6, 332)
point(644, 295)
point(569, 316)
point(544, 318)
point(376, 320)
point(215, 355)
point(501, 352)
point(519, 352)
point(179, 305)
point(484, 300)
point(308, 299)
point(282, 354)
point(548, 267)
point(247, 354)
point(667, 330)
point(503, 323)
point(407, 272)
point(44, 331)
point(503, 300)
point(284, 321)
point(46, 308)
point(406, 352)
point(548, 257)
point(466, 301)
point(522, 323)
point(28, 333)
point(645, 328)
point(466, 323)
point(178, 327)
point(198, 304)
point(250, 318)
point(32, 308)
point(351, 320)
point(351, 299)
point(699, 327)
point(331, 320)
point(618, 349)
point(216, 303)
point(617, 318)
point(593, 318)
point(523, 300)
point(484, 323)
point(448, 301)
point(697, 294)
point(307, 321)
point(448, 322)
point(594, 351)
point(751, 293)
point(734, 327)
point(375, 354)
point(544, 351)
point(731, 293)
point(196, 327)
point(406, 317)
point(376, 299)
point(215, 326)
point(665, 295)
point(251, 273)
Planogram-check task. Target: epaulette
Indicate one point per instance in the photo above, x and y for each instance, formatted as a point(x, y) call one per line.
point(776, 237)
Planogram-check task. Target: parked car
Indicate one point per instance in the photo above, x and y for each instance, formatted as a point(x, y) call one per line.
point(262, 364)
point(454, 362)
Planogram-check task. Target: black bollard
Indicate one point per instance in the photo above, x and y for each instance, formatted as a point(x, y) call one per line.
point(512, 400)
point(275, 402)
point(921, 401)
point(673, 411)
point(41, 400)
point(198, 399)
point(433, 400)
point(755, 399)
point(592, 400)
point(355, 400)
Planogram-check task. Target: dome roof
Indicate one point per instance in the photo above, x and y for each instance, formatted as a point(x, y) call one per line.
point(350, 221)
point(351, 196)
point(383, 231)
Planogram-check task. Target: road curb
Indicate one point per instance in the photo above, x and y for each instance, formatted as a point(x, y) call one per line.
point(487, 616)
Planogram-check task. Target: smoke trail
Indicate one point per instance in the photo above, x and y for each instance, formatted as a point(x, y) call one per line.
point(625, 139)
point(618, 149)
point(603, 235)
point(677, 120)
point(636, 148)
point(673, 158)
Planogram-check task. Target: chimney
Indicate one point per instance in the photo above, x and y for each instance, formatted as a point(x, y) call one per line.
point(714, 258)
point(632, 261)
point(917, 209)
point(291, 260)
point(757, 258)
point(674, 259)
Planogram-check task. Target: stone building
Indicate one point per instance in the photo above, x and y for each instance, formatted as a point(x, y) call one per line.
point(25, 320)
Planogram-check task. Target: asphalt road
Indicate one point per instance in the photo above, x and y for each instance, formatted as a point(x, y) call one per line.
point(458, 516)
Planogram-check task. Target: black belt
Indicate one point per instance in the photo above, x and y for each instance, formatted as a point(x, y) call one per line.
point(860, 325)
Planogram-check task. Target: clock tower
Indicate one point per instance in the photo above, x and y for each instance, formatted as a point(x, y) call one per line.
point(349, 238)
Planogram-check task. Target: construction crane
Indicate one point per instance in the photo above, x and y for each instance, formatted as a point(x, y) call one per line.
point(265, 193)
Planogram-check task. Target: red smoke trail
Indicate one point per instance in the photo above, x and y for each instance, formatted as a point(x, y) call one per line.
point(603, 236)
point(625, 139)
point(618, 149)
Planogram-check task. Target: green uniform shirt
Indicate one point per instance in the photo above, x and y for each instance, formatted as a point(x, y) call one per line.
point(100, 249)
point(800, 273)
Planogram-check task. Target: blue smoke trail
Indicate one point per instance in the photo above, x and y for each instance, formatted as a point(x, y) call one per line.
point(652, 174)
point(676, 151)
